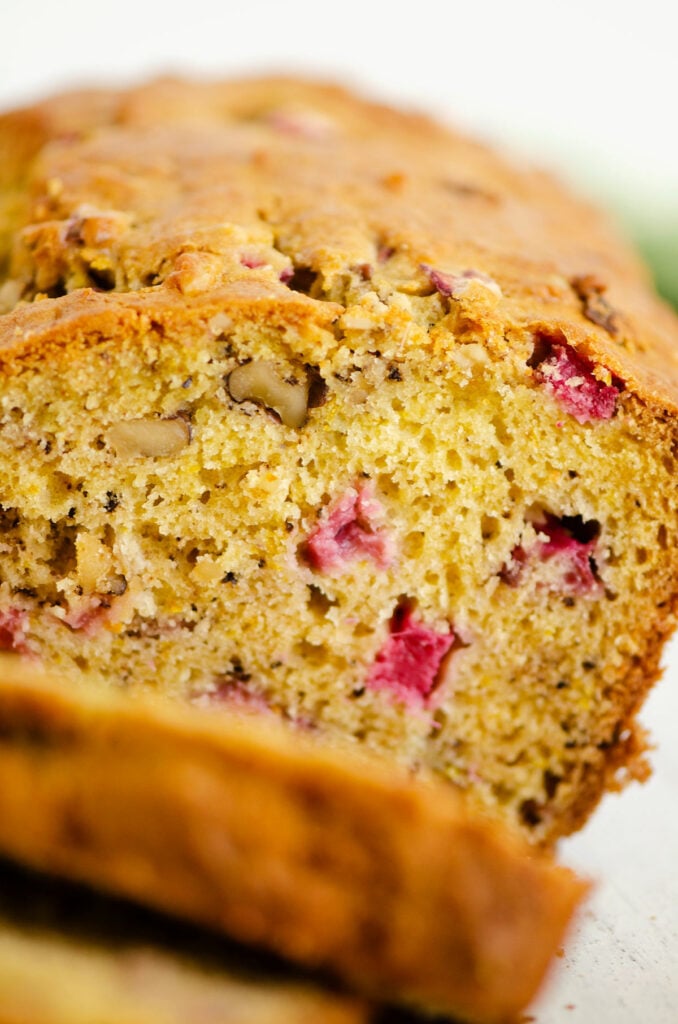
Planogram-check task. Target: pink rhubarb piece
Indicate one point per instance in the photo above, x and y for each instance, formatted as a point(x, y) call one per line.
point(352, 530)
point(252, 262)
point(456, 285)
point(409, 662)
point(569, 377)
point(304, 124)
point(89, 618)
point(233, 694)
point(575, 557)
point(578, 575)
point(13, 627)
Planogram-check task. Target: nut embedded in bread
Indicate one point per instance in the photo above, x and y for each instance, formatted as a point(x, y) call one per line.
point(314, 407)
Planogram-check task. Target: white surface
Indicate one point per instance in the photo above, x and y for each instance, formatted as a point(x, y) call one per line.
point(589, 85)
point(621, 963)
point(592, 83)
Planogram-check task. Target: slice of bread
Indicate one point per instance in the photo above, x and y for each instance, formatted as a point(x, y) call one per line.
point(321, 411)
point(69, 956)
point(333, 859)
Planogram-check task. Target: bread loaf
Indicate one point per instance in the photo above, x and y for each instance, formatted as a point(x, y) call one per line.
point(320, 411)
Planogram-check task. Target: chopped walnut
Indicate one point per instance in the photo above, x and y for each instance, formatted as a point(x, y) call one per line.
point(152, 438)
point(260, 382)
point(94, 228)
point(93, 562)
point(590, 290)
point(220, 323)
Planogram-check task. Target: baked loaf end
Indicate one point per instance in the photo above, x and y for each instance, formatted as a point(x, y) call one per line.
point(334, 859)
point(68, 956)
point(315, 409)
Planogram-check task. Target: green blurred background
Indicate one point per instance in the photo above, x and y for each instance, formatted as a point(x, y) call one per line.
point(660, 249)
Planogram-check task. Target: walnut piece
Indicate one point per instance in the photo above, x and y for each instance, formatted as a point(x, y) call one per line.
point(93, 562)
point(261, 382)
point(152, 438)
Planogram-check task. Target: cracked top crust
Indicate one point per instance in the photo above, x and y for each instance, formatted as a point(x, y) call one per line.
point(298, 204)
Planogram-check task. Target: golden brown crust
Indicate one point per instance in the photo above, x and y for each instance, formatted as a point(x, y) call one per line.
point(334, 860)
point(278, 158)
point(624, 758)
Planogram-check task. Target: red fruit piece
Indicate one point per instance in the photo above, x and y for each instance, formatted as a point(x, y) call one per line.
point(232, 693)
point(89, 617)
point(305, 124)
point(455, 285)
point(568, 376)
point(576, 555)
point(13, 626)
point(252, 262)
point(408, 664)
point(384, 253)
point(352, 530)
